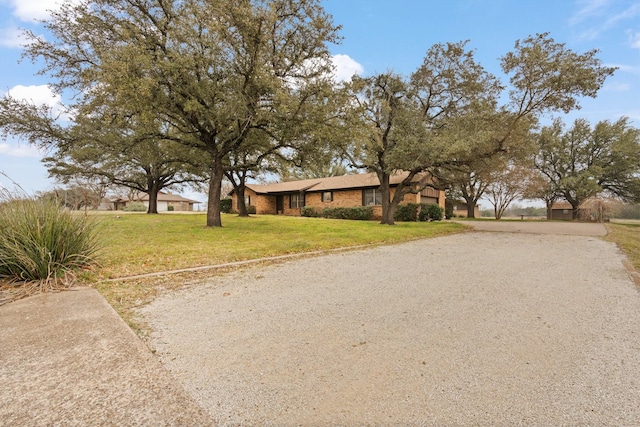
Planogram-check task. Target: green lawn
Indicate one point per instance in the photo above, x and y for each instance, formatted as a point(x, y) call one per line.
point(140, 243)
point(627, 237)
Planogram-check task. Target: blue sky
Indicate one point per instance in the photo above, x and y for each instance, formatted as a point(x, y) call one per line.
point(381, 35)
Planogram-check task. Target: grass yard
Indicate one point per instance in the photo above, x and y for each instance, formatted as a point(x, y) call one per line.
point(139, 243)
point(627, 237)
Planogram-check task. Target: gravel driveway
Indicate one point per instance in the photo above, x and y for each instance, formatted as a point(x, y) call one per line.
point(471, 329)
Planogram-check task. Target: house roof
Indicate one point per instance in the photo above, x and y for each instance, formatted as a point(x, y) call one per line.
point(561, 205)
point(162, 197)
point(285, 187)
point(364, 180)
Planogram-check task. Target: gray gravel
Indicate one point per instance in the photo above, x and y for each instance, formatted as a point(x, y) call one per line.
point(471, 329)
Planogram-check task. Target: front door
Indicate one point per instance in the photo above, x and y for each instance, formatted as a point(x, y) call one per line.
point(279, 204)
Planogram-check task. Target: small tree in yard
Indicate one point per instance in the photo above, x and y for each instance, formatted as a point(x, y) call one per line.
point(539, 187)
point(506, 186)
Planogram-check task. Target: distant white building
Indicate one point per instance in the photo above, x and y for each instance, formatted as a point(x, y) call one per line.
point(166, 202)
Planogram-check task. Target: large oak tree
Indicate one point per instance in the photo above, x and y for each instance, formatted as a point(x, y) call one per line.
point(584, 161)
point(422, 124)
point(213, 72)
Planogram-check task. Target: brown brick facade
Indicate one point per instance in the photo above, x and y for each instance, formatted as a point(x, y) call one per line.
point(266, 203)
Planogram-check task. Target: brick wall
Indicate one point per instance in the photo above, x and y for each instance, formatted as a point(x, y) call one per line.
point(266, 204)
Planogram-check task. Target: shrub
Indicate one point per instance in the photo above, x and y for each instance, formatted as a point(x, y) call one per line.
point(448, 209)
point(170, 208)
point(407, 212)
point(135, 207)
point(309, 211)
point(225, 205)
point(251, 209)
point(430, 212)
point(43, 245)
point(358, 212)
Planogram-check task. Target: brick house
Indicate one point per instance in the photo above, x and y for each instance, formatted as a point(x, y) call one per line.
point(592, 209)
point(166, 202)
point(460, 209)
point(290, 197)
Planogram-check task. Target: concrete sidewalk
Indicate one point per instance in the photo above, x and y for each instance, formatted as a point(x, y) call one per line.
point(68, 359)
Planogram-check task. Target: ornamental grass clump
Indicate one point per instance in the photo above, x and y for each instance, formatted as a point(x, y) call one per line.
point(42, 246)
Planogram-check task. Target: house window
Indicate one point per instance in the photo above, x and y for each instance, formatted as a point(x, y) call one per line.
point(371, 197)
point(327, 196)
point(247, 200)
point(296, 201)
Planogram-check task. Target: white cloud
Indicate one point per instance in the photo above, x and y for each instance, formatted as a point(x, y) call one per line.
point(598, 16)
point(37, 95)
point(345, 67)
point(11, 37)
point(634, 39)
point(625, 68)
point(40, 95)
point(617, 87)
point(19, 150)
point(588, 9)
point(33, 10)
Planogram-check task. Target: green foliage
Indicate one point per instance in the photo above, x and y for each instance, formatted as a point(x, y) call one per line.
point(75, 197)
point(310, 212)
point(407, 212)
point(168, 242)
point(629, 212)
point(448, 112)
point(135, 207)
point(358, 212)
point(527, 211)
point(430, 212)
point(225, 205)
point(41, 242)
point(419, 212)
point(448, 208)
point(251, 210)
point(583, 161)
point(170, 208)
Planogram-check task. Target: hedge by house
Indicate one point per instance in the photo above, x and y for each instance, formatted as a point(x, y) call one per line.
point(418, 212)
point(225, 205)
point(358, 212)
point(407, 212)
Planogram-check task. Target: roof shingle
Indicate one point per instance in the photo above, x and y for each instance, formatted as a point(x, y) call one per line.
point(327, 184)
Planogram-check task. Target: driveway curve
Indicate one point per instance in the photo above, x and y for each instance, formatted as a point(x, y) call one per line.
point(540, 227)
point(470, 329)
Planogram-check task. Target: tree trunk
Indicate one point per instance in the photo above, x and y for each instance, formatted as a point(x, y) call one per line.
point(153, 199)
point(575, 213)
point(471, 208)
point(242, 206)
point(213, 200)
point(549, 204)
point(575, 205)
point(387, 209)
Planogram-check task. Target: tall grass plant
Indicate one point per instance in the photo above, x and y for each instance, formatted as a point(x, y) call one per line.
point(42, 245)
